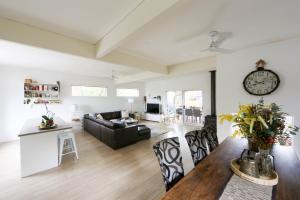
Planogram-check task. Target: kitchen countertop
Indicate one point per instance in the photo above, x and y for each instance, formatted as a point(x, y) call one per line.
point(30, 127)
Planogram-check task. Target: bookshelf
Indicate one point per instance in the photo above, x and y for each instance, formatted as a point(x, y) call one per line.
point(40, 93)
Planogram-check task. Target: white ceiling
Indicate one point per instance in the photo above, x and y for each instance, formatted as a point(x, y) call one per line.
point(18, 55)
point(179, 34)
point(174, 37)
point(87, 20)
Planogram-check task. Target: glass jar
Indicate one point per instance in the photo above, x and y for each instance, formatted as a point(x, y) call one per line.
point(264, 162)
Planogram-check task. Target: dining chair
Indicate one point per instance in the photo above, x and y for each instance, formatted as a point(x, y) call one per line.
point(188, 114)
point(197, 144)
point(169, 157)
point(210, 132)
point(179, 113)
point(196, 114)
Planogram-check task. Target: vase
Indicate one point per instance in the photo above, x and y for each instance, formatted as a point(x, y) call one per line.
point(264, 163)
point(252, 144)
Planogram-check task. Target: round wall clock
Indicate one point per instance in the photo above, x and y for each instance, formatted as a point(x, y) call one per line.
point(261, 81)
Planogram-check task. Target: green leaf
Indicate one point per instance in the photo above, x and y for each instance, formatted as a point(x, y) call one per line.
point(45, 117)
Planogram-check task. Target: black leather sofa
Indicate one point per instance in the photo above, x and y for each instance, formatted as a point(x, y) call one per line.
point(115, 135)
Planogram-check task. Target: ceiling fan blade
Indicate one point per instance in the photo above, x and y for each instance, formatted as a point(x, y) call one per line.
point(207, 49)
point(221, 50)
point(221, 37)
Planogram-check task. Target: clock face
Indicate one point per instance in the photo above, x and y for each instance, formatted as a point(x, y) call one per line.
point(261, 82)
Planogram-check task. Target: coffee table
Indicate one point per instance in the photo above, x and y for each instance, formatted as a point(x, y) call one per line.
point(130, 121)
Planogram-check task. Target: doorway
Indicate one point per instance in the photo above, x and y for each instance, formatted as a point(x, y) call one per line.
point(184, 106)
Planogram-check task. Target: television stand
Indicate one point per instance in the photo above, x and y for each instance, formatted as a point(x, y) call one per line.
point(155, 117)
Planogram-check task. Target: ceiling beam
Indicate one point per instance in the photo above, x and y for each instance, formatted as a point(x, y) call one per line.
point(132, 23)
point(199, 65)
point(123, 58)
point(137, 77)
point(29, 35)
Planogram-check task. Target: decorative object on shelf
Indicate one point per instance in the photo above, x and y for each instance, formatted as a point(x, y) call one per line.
point(261, 124)
point(261, 81)
point(28, 80)
point(40, 93)
point(157, 97)
point(47, 120)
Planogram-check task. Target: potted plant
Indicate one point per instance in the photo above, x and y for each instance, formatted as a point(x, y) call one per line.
point(47, 119)
point(262, 124)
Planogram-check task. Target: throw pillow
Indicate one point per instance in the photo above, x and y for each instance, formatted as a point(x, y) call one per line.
point(91, 115)
point(124, 114)
point(99, 116)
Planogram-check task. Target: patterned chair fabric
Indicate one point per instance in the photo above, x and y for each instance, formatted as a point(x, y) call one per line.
point(210, 132)
point(197, 143)
point(169, 157)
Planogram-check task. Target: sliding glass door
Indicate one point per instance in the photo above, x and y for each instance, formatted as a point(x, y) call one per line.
point(184, 106)
point(193, 106)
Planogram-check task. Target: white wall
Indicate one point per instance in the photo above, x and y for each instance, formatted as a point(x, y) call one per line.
point(282, 57)
point(13, 112)
point(195, 81)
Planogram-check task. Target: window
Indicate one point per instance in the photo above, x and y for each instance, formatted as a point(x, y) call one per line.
point(193, 98)
point(89, 91)
point(127, 92)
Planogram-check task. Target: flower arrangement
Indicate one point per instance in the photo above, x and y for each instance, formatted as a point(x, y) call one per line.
point(261, 122)
point(47, 119)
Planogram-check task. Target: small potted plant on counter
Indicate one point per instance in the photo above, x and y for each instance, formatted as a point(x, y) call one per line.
point(47, 120)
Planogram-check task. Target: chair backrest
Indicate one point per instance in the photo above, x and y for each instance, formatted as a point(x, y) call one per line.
point(197, 143)
point(210, 132)
point(179, 111)
point(169, 157)
point(197, 112)
point(188, 112)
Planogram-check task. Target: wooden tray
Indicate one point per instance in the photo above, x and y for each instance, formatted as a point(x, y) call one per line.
point(49, 127)
point(235, 167)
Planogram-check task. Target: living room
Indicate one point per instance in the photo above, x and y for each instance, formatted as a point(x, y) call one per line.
point(129, 99)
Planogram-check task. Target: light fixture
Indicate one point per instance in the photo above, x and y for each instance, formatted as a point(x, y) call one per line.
point(131, 101)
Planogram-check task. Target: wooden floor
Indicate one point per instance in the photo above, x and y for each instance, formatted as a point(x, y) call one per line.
point(101, 173)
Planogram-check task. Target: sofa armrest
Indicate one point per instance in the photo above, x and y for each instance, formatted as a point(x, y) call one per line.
point(125, 136)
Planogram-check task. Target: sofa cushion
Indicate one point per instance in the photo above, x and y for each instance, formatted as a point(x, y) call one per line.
point(124, 114)
point(91, 114)
point(143, 130)
point(111, 115)
point(106, 123)
point(118, 123)
point(99, 116)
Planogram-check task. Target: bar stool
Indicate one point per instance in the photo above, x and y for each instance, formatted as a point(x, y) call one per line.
point(66, 145)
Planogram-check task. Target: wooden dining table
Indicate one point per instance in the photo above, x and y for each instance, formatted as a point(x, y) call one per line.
point(209, 178)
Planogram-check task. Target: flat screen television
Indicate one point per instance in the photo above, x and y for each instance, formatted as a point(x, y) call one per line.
point(153, 108)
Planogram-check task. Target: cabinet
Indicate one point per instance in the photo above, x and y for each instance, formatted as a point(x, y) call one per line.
point(153, 117)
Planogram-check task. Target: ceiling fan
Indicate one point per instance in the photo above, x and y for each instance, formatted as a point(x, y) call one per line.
point(216, 39)
point(114, 76)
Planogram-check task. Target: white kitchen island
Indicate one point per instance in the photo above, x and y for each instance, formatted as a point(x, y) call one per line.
point(39, 148)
